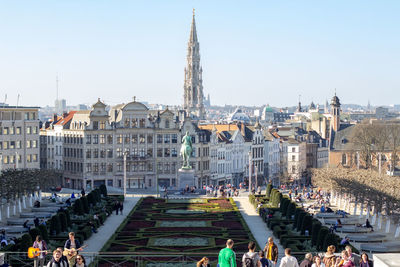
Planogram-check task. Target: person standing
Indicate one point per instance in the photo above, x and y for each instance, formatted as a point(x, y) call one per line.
point(318, 262)
point(80, 261)
point(307, 262)
point(73, 246)
point(56, 260)
point(41, 245)
point(271, 250)
point(251, 258)
point(289, 260)
point(365, 262)
point(226, 256)
point(121, 206)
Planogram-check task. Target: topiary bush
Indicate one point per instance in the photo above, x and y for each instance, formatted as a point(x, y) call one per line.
point(103, 190)
point(68, 217)
point(34, 232)
point(91, 199)
point(63, 221)
point(323, 232)
point(284, 205)
point(316, 226)
point(78, 207)
point(268, 191)
point(306, 224)
point(26, 242)
point(300, 220)
point(330, 239)
point(85, 204)
point(44, 233)
point(55, 225)
point(276, 199)
point(291, 209)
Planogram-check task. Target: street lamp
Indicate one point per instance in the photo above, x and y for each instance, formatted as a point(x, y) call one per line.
point(250, 171)
point(125, 153)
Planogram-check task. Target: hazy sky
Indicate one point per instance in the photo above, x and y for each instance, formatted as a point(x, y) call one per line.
point(252, 52)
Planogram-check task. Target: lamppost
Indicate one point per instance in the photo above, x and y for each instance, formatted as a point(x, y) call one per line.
point(250, 171)
point(125, 153)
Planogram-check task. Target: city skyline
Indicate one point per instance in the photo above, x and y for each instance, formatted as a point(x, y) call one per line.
point(252, 54)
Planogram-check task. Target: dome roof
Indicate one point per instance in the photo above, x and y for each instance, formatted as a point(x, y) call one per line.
point(239, 115)
point(268, 109)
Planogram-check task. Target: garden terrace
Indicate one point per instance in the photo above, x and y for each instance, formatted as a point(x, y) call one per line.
point(191, 227)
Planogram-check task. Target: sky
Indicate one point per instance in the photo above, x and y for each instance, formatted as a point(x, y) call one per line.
point(252, 52)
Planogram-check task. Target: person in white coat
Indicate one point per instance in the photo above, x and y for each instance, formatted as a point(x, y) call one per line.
point(289, 260)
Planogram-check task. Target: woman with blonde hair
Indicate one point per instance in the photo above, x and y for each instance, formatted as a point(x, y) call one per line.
point(204, 262)
point(329, 258)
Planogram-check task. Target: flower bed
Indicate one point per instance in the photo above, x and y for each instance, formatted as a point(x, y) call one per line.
point(197, 227)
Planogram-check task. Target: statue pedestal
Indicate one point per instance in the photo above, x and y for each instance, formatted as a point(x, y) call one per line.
point(186, 178)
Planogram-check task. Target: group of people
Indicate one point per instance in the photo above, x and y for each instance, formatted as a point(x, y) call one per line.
point(118, 207)
point(62, 257)
point(268, 257)
point(222, 190)
point(4, 240)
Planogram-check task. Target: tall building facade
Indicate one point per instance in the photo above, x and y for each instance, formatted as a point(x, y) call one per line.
point(19, 138)
point(193, 85)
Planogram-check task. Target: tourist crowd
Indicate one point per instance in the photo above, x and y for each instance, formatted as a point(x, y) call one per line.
point(268, 257)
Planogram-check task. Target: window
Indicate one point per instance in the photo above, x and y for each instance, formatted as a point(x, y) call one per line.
point(159, 166)
point(95, 153)
point(109, 139)
point(119, 152)
point(103, 167)
point(29, 158)
point(150, 166)
point(174, 138)
point(88, 153)
point(102, 125)
point(174, 152)
point(127, 139)
point(135, 152)
point(150, 152)
point(102, 139)
point(134, 138)
point(95, 125)
point(95, 167)
point(11, 130)
point(119, 166)
point(159, 152)
point(28, 144)
point(166, 138)
point(344, 159)
point(193, 139)
point(142, 123)
point(293, 149)
point(134, 123)
point(167, 152)
point(35, 129)
point(159, 138)
point(293, 169)
point(109, 153)
point(119, 139)
point(88, 139)
point(293, 158)
point(95, 139)
point(12, 144)
point(34, 157)
point(34, 143)
point(88, 167)
point(166, 123)
point(134, 166)
point(28, 130)
point(127, 123)
point(109, 167)
point(149, 139)
point(142, 152)
point(142, 138)
point(102, 153)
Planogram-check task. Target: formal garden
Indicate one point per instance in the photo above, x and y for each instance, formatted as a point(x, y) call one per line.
point(292, 225)
point(160, 231)
point(75, 218)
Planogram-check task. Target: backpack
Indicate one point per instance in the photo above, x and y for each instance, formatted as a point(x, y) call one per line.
point(249, 261)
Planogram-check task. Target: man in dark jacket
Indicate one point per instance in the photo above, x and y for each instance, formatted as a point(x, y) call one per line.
point(307, 262)
point(271, 250)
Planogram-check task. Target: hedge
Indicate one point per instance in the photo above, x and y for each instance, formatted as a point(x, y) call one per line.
point(306, 224)
point(103, 190)
point(85, 204)
point(284, 205)
point(91, 199)
point(291, 209)
point(316, 226)
point(63, 221)
point(34, 232)
point(323, 232)
point(78, 207)
point(55, 226)
point(26, 242)
point(299, 221)
point(331, 239)
point(44, 233)
point(68, 217)
point(268, 191)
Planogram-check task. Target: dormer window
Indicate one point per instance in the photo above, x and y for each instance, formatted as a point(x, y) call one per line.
point(167, 124)
point(344, 141)
point(102, 125)
point(95, 125)
point(142, 123)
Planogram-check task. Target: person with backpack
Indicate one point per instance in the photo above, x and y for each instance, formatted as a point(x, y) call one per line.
point(251, 258)
point(226, 256)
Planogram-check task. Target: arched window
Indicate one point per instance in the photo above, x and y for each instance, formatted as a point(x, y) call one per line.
point(344, 159)
point(166, 123)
